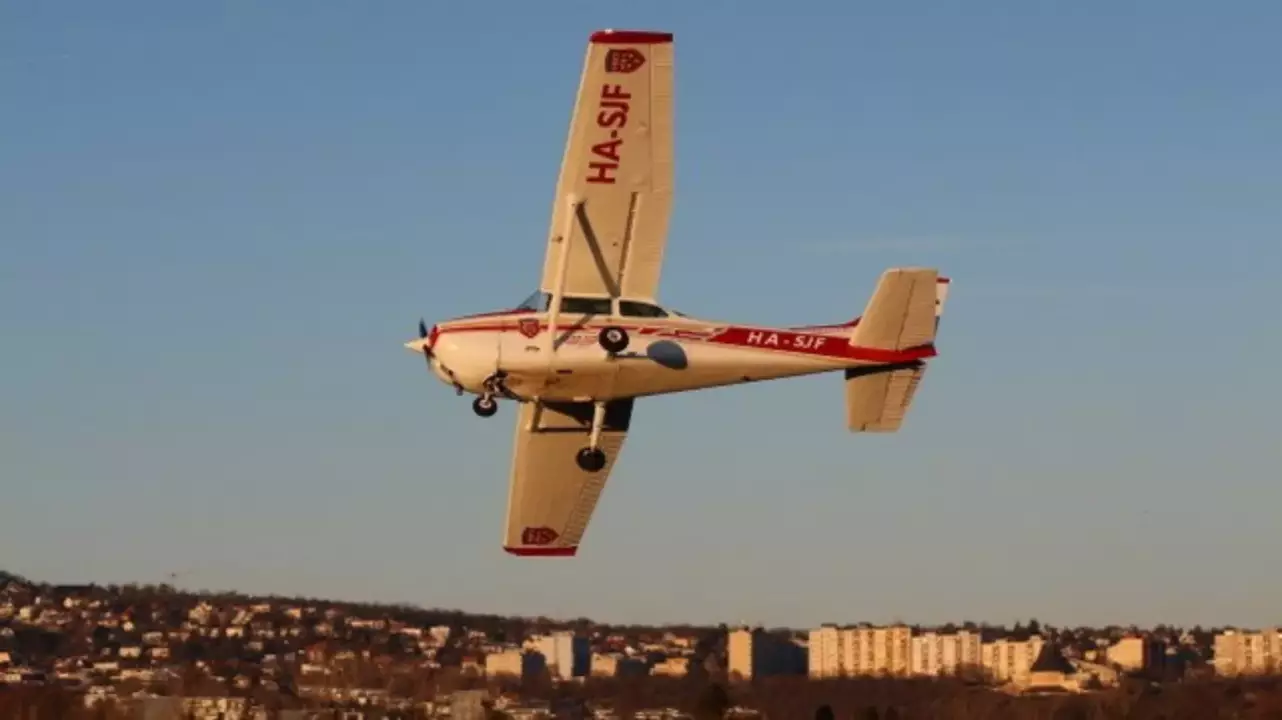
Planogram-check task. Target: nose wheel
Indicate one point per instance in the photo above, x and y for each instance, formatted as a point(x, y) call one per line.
point(592, 458)
point(485, 406)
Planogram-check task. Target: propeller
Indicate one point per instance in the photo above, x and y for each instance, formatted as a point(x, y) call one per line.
point(424, 345)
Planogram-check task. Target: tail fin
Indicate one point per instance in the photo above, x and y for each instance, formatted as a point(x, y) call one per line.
point(901, 311)
point(904, 312)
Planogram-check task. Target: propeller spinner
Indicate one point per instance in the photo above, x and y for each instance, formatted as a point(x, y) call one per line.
point(424, 343)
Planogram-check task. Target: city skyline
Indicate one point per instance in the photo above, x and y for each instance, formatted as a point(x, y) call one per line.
point(1028, 623)
point(118, 651)
point(220, 224)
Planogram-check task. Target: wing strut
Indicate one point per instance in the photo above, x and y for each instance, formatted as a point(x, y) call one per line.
point(558, 289)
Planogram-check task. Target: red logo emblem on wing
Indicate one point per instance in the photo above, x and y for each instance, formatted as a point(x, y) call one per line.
point(539, 536)
point(623, 60)
point(528, 327)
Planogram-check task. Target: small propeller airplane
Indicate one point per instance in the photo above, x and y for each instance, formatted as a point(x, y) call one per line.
point(579, 351)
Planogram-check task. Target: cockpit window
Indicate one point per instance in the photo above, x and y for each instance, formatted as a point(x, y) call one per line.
point(540, 301)
point(537, 301)
point(585, 306)
point(632, 308)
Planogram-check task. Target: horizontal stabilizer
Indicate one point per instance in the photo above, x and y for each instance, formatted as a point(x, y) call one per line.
point(877, 398)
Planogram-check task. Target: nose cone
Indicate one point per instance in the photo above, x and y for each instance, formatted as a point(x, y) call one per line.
point(427, 338)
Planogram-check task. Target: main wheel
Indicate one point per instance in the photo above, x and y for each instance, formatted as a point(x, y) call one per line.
point(485, 406)
point(590, 459)
point(613, 339)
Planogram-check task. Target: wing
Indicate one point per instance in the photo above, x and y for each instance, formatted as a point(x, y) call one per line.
point(550, 500)
point(614, 194)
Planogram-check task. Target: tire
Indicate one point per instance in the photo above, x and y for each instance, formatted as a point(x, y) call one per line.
point(485, 406)
point(590, 459)
point(613, 339)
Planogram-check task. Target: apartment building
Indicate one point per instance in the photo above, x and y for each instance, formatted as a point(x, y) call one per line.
point(1008, 660)
point(896, 651)
point(752, 652)
point(1137, 654)
point(567, 655)
point(514, 663)
point(842, 652)
point(945, 654)
point(1248, 653)
point(824, 652)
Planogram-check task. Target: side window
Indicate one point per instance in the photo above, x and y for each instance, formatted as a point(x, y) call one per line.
point(585, 306)
point(631, 308)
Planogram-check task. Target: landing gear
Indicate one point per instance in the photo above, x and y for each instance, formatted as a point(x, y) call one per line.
point(485, 406)
point(613, 339)
point(496, 385)
point(592, 458)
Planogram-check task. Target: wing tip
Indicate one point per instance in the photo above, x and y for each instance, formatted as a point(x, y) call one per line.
point(630, 37)
point(527, 551)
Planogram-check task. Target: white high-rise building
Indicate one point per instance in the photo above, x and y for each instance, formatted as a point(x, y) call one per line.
point(946, 654)
point(844, 652)
point(1010, 660)
point(877, 650)
point(567, 655)
point(752, 652)
point(825, 652)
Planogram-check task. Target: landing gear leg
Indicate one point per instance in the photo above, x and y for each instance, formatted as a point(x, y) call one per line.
point(485, 406)
point(592, 458)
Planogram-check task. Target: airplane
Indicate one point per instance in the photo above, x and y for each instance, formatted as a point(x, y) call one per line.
point(577, 353)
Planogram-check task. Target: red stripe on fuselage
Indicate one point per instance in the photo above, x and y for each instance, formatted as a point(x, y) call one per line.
point(774, 340)
point(816, 345)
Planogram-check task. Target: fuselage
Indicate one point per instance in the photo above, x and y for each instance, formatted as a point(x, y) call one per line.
point(667, 352)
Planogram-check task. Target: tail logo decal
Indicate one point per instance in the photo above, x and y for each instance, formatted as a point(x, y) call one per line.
point(623, 60)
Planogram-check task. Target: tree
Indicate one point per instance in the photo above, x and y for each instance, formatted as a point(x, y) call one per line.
point(712, 703)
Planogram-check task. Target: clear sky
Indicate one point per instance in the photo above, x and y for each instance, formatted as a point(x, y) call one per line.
point(219, 222)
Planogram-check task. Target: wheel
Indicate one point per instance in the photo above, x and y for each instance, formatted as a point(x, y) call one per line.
point(590, 459)
point(485, 406)
point(613, 339)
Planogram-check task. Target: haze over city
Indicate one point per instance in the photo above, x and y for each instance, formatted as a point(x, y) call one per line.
point(219, 223)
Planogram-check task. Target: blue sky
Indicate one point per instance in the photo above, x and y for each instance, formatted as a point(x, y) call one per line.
point(219, 222)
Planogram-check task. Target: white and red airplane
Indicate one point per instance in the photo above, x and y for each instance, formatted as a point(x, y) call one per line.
point(578, 352)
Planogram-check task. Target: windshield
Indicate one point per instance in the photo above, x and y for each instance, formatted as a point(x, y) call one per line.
point(537, 301)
